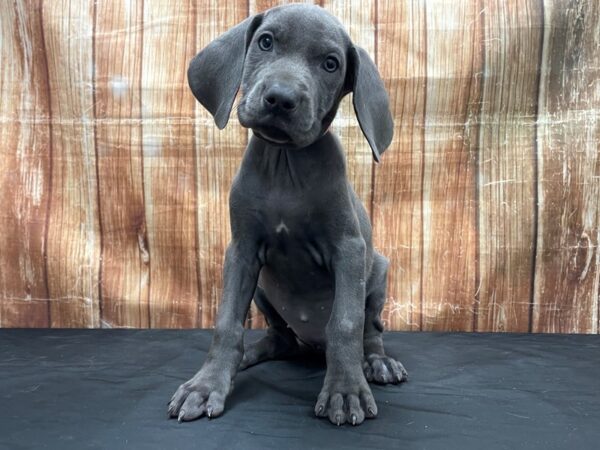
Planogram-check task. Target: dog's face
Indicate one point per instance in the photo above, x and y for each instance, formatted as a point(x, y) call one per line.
point(294, 64)
point(294, 75)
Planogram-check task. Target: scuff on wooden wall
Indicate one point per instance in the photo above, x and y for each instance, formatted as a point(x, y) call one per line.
point(114, 181)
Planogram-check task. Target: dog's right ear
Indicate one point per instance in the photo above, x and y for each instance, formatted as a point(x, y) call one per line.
point(215, 73)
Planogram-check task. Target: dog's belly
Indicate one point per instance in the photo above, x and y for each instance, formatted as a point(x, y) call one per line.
point(300, 289)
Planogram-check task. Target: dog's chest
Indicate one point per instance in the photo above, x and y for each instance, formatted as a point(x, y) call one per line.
point(285, 216)
point(295, 276)
point(292, 233)
point(287, 210)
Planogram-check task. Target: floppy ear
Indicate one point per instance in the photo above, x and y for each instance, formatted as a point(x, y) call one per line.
point(371, 103)
point(215, 73)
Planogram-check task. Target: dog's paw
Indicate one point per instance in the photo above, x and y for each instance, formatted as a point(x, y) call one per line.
point(199, 396)
point(383, 369)
point(346, 401)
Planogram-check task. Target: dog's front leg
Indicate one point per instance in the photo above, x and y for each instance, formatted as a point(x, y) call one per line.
point(206, 392)
point(346, 395)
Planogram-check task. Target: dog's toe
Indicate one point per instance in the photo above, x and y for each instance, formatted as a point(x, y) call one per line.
point(344, 404)
point(384, 370)
point(196, 398)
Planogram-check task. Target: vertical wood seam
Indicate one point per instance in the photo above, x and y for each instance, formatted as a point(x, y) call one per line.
point(142, 163)
point(484, 62)
point(95, 128)
point(535, 162)
point(196, 190)
point(50, 163)
point(479, 96)
point(423, 137)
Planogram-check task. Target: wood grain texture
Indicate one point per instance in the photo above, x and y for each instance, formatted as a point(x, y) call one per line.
point(169, 162)
point(114, 181)
point(73, 246)
point(24, 167)
point(397, 196)
point(454, 67)
point(125, 263)
point(507, 164)
point(567, 269)
point(257, 6)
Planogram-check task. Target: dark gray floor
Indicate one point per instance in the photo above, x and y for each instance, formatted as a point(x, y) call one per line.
point(109, 389)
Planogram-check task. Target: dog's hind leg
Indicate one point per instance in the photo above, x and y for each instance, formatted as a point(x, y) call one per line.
point(378, 367)
point(280, 341)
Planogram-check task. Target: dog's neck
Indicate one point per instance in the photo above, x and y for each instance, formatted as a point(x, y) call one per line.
point(305, 167)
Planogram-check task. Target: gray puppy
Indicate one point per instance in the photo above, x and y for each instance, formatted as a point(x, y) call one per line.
point(301, 239)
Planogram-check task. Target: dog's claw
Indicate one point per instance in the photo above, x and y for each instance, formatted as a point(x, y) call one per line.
point(320, 409)
point(371, 412)
point(180, 417)
point(338, 420)
point(353, 419)
point(209, 412)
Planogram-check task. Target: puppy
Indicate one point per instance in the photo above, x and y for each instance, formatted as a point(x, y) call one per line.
point(301, 239)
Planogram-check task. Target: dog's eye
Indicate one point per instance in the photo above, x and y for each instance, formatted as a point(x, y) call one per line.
point(265, 42)
point(331, 64)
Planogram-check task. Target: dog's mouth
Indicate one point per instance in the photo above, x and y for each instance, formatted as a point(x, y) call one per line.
point(272, 134)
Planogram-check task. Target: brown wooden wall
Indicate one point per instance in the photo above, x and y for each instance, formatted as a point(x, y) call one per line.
point(114, 181)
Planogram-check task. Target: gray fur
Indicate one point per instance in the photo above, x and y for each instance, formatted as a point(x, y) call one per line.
point(301, 239)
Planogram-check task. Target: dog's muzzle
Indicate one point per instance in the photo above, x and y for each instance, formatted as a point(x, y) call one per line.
point(279, 111)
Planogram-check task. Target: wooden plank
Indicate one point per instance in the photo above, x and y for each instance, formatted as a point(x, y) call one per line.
point(358, 18)
point(507, 185)
point(454, 67)
point(567, 264)
point(73, 246)
point(397, 215)
point(256, 6)
point(169, 162)
point(25, 167)
point(125, 266)
point(219, 155)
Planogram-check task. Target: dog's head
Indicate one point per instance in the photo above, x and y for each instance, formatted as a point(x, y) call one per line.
point(294, 64)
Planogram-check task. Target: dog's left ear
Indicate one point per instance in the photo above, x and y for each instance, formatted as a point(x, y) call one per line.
point(215, 74)
point(371, 103)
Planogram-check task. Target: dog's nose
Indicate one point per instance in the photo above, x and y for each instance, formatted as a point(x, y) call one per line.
point(279, 97)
